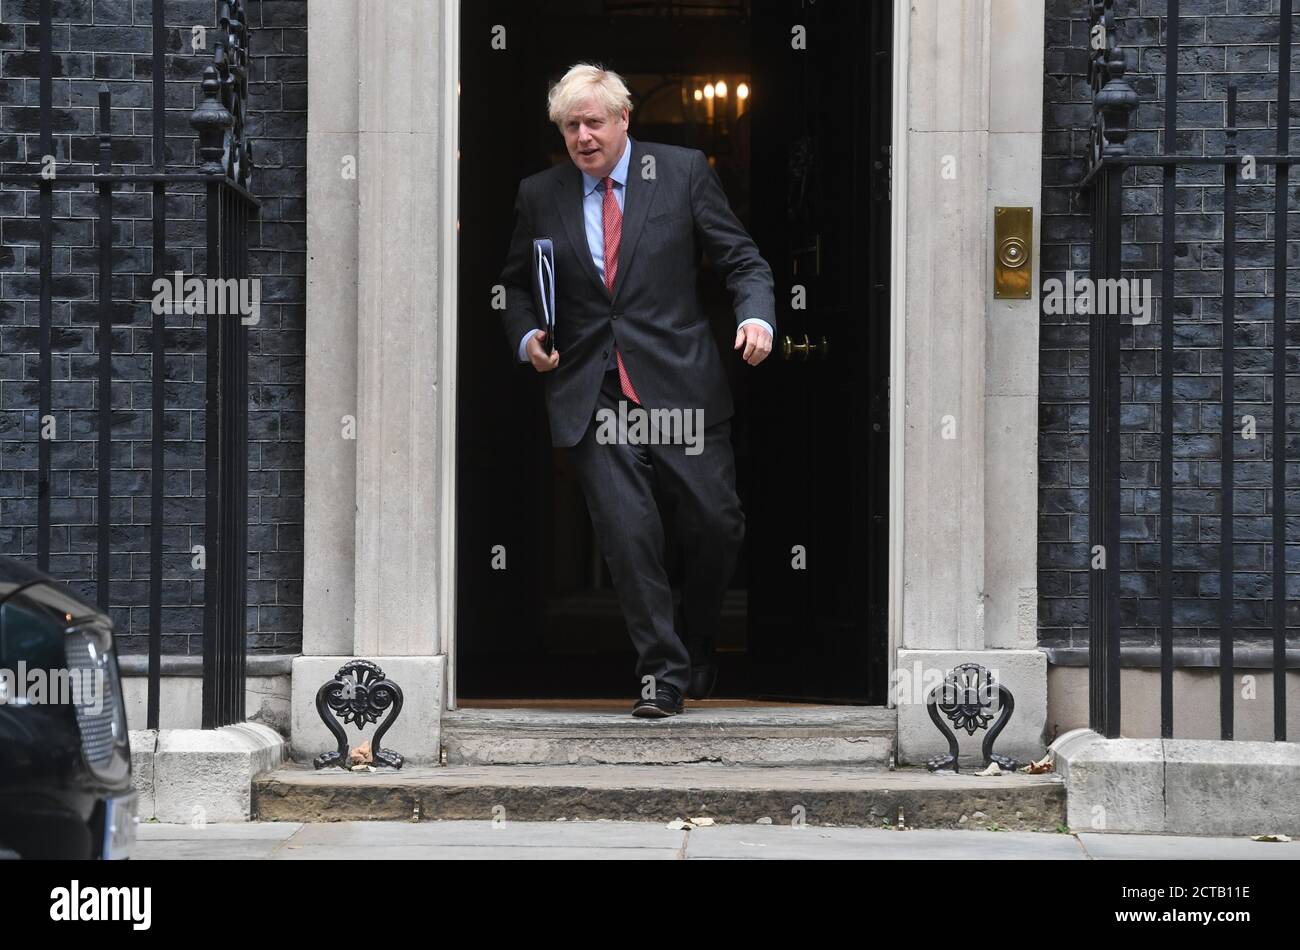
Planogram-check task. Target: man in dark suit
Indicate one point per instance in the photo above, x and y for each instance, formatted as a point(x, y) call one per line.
point(628, 220)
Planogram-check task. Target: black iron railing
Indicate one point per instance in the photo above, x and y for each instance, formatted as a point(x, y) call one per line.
point(224, 179)
point(1111, 162)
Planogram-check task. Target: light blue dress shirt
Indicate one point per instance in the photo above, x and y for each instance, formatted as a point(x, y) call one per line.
point(593, 214)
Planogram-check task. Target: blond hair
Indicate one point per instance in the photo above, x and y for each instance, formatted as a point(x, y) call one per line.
point(582, 80)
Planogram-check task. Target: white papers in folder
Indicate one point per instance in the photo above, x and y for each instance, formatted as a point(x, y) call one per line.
point(544, 264)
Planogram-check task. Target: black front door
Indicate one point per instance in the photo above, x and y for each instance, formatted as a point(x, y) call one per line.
point(818, 549)
point(799, 140)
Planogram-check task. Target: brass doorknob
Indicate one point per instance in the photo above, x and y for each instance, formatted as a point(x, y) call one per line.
point(791, 349)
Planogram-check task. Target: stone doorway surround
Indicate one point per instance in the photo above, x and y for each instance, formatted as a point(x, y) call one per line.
point(380, 436)
point(381, 284)
point(965, 587)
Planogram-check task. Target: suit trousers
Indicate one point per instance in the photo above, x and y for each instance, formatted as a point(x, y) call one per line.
point(620, 482)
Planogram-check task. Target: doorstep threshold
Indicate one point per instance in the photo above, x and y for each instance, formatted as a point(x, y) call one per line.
point(865, 720)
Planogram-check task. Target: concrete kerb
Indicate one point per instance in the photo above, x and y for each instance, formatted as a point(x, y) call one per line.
point(1213, 787)
point(1112, 785)
point(1178, 786)
point(196, 776)
point(144, 744)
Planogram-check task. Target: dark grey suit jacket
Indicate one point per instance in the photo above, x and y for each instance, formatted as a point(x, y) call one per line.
point(674, 206)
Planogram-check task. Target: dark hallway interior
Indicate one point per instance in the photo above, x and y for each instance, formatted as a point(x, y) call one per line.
point(800, 144)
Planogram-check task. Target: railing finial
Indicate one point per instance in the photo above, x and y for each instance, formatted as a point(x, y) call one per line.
point(211, 119)
point(1113, 98)
point(225, 94)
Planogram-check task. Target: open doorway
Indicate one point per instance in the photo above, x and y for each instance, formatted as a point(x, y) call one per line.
point(800, 140)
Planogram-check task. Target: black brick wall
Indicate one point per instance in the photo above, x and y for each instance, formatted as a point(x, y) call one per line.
point(110, 41)
point(1223, 41)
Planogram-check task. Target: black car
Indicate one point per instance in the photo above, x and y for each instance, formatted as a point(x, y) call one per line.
point(65, 756)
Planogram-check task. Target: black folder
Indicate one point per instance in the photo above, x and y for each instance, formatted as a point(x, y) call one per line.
point(544, 289)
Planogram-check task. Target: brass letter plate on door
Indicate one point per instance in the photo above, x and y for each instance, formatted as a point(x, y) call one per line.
point(1013, 254)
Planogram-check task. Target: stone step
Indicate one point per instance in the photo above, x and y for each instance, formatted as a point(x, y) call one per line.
point(726, 734)
point(728, 794)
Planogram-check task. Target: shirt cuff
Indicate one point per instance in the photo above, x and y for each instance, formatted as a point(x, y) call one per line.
point(761, 322)
point(523, 345)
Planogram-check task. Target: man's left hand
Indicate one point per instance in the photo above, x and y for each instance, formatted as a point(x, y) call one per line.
point(756, 341)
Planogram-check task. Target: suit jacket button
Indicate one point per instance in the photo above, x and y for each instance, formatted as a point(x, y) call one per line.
point(615, 316)
point(604, 354)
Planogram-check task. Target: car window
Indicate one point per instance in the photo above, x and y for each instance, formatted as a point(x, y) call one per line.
point(31, 634)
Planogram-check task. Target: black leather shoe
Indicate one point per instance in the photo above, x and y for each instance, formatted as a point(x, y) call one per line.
point(667, 702)
point(704, 671)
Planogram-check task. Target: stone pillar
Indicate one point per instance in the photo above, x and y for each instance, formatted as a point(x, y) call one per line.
point(397, 326)
point(1011, 340)
point(947, 282)
point(969, 519)
point(374, 415)
point(331, 374)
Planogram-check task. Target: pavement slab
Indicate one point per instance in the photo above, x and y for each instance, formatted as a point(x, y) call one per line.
point(620, 840)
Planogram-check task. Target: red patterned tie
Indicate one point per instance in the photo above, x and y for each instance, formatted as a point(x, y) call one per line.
point(612, 219)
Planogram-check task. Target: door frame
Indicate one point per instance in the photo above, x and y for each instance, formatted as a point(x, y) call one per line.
point(902, 22)
point(449, 282)
point(448, 347)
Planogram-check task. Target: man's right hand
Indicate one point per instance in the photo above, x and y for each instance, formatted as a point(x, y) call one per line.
point(537, 356)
